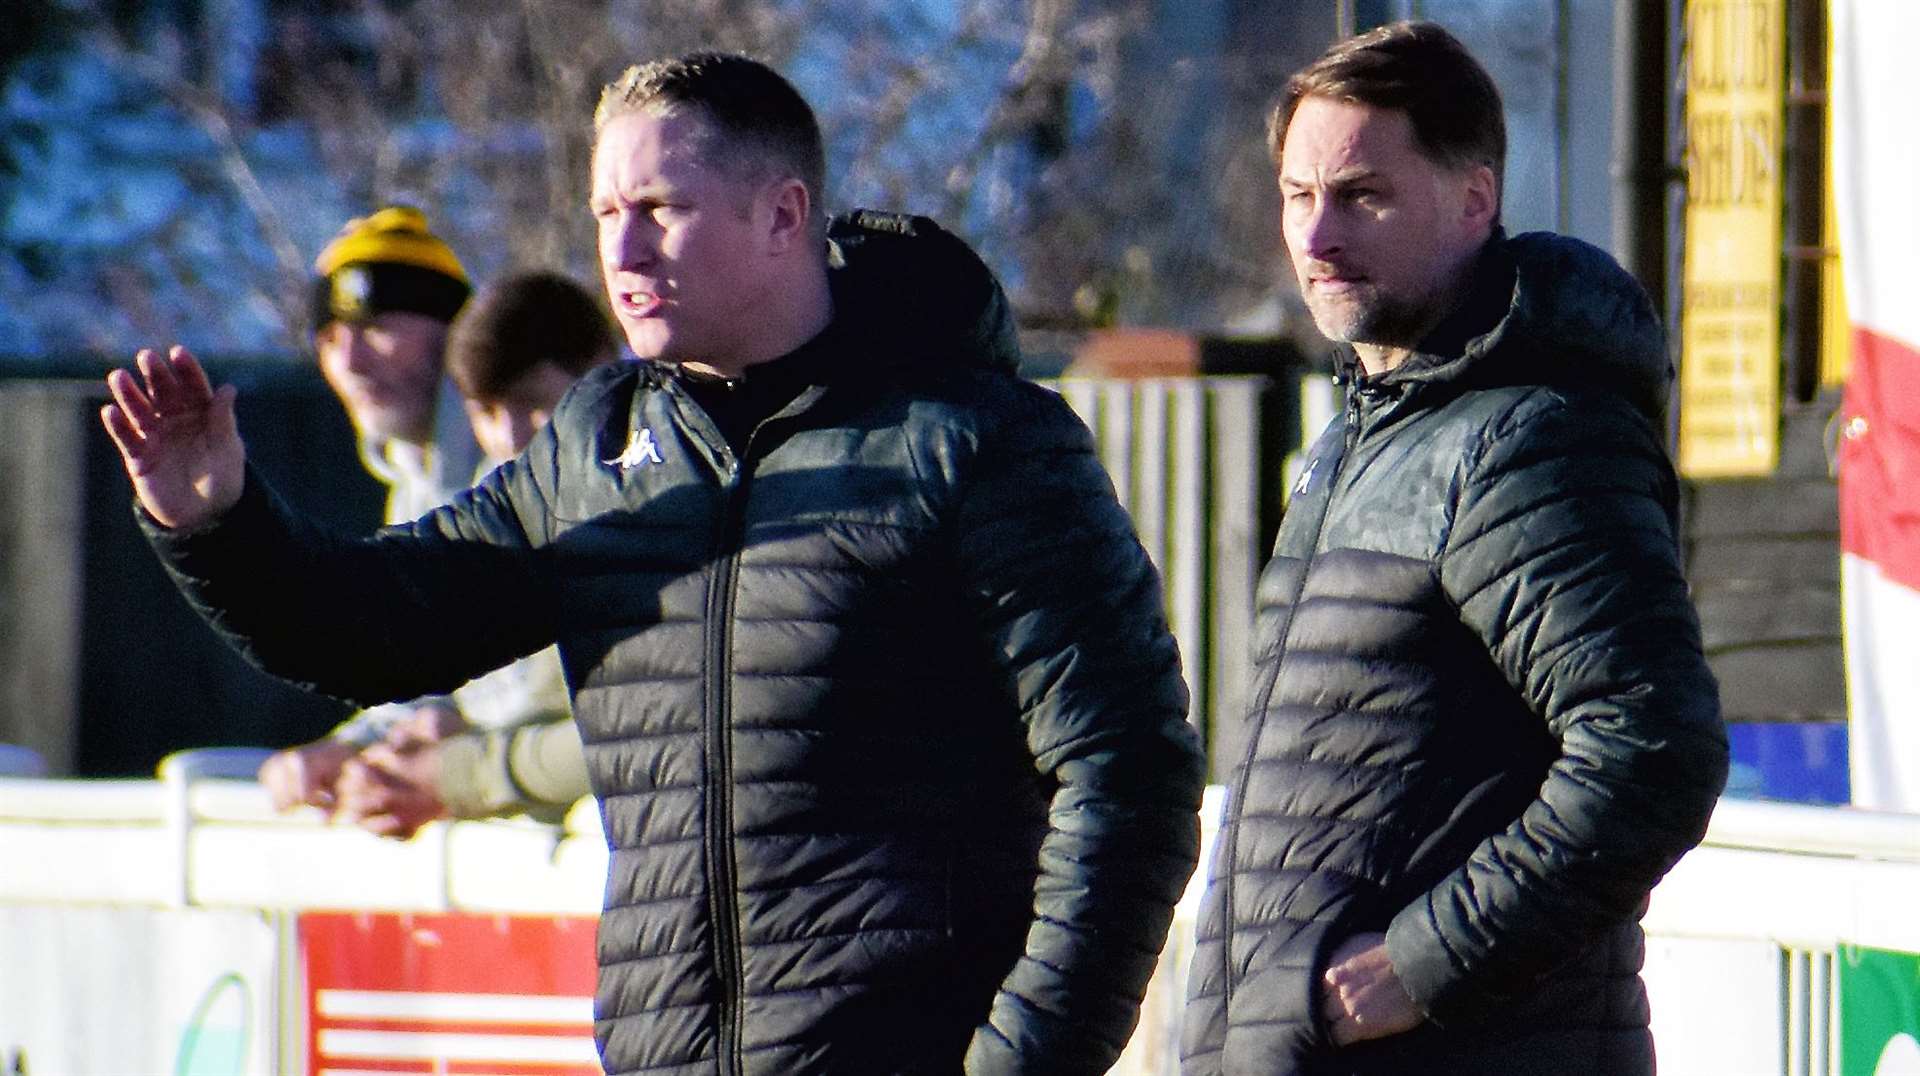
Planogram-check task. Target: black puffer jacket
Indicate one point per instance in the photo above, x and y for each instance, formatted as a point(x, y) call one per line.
point(1482, 720)
point(885, 720)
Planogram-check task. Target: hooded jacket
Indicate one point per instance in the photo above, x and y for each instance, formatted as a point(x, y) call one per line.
point(1482, 722)
point(884, 718)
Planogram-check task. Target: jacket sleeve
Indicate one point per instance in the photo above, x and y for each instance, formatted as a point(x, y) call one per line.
point(537, 767)
point(523, 753)
point(1072, 608)
point(411, 610)
point(1562, 558)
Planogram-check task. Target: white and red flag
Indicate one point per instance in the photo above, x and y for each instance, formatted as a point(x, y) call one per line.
point(1876, 175)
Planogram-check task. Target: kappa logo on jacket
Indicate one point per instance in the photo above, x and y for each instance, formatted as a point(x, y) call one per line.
point(1305, 482)
point(641, 449)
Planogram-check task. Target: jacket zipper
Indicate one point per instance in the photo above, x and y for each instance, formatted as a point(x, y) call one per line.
point(1232, 857)
point(1354, 388)
point(721, 882)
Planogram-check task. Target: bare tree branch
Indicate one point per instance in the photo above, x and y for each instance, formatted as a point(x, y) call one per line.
point(1039, 129)
point(208, 113)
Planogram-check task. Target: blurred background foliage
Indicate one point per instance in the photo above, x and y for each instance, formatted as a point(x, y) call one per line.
point(169, 168)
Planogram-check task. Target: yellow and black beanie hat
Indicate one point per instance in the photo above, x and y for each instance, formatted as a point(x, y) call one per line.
point(387, 261)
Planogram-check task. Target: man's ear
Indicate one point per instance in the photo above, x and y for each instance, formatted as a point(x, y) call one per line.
point(790, 207)
point(1481, 206)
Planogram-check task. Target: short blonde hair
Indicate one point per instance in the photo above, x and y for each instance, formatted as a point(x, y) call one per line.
point(759, 124)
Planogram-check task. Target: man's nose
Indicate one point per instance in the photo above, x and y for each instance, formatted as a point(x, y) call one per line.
point(633, 242)
point(1318, 231)
point(360, 357)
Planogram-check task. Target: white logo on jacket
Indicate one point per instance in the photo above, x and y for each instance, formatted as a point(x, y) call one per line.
point(641, 448)
point(1305, 481)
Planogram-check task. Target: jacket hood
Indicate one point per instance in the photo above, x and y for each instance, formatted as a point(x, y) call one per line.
point(915, 289)
point(1549, 309)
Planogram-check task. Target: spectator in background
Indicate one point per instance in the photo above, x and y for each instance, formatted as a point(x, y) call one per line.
point(517, 349)
point(513, 352)
point(385, 290)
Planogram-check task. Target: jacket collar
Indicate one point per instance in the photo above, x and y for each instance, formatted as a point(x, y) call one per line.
point(1439, 356)
point(1542, 309)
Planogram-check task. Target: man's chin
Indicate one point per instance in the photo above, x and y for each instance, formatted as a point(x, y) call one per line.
point(382, 425)
point(1341, 327)
point(652, 345)
point(1377, 325)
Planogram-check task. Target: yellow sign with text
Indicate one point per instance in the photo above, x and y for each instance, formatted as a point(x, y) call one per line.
point(1730, 283)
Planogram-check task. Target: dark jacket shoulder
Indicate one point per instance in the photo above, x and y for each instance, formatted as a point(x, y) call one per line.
point(1548, 311)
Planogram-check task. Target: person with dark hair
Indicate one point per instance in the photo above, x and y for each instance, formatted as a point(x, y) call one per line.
point(383, 294)
point(873, 676)
point(516, 349)
point(1482, 725)
point(511, 747)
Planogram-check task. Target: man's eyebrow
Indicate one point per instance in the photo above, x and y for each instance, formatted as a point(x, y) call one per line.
point(1346, 177)
point(638, 194)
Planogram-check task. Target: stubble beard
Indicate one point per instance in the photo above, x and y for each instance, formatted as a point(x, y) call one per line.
point(1370, 318)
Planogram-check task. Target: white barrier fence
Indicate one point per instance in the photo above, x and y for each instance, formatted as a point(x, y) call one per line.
point(176, 925)
point(1781, 947)
point(142, 921)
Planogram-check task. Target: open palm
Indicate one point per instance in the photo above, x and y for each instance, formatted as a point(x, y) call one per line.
point(177, 438)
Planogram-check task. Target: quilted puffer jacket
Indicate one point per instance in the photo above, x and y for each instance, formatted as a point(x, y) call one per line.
point(884, 717)
point(1482, 721)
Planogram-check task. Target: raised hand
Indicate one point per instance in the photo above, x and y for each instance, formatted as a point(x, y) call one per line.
point(177, 438)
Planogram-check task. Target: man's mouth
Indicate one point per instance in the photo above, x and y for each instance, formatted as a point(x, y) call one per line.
point(639, 304)
point(371, 391)
point(1335, 282)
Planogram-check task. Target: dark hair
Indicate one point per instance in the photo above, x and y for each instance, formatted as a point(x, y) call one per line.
point(1417, 68)
point(762, 122)
point(514, 325)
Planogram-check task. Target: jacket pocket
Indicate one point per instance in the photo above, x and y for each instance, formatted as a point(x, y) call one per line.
point(1274, 1023)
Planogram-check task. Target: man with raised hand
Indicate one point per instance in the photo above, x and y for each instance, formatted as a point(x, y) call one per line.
point(873, 676)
